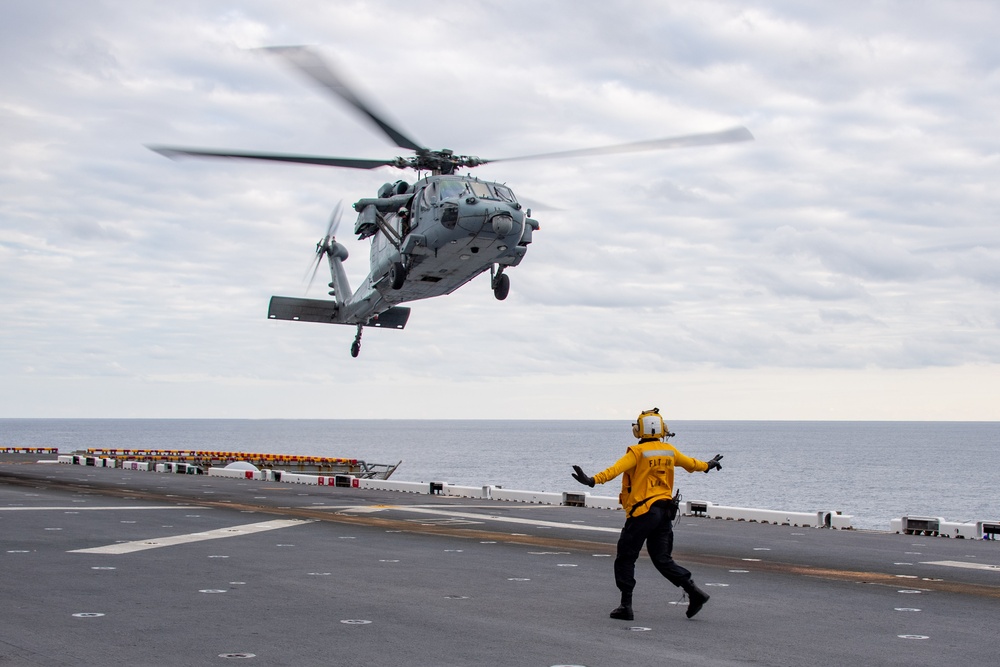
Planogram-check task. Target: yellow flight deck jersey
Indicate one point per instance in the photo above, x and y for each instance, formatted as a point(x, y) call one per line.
point(647, 471)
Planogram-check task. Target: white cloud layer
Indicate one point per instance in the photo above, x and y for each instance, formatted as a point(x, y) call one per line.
point(845, 265)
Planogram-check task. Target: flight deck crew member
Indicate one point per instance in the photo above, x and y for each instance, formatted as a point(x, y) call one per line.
point(647, 471)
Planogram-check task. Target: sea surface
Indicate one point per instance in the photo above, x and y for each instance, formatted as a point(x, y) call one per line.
point(874, 471)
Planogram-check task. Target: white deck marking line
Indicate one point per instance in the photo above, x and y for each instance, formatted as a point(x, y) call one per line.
point(352, 508)
point(379, 508)
point(157, 542)
point(968, 566)
point(81, 508)
point(502, 519)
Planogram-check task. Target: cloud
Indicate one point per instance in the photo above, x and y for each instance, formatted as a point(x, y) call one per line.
point(858, 231)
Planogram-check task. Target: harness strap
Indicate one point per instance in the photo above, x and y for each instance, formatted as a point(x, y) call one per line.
point(637, 506)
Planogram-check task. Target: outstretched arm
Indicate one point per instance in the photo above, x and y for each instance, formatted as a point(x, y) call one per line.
point(626, 462)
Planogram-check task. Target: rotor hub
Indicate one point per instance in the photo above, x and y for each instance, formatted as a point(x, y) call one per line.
point(438, 162)
point(329, 246)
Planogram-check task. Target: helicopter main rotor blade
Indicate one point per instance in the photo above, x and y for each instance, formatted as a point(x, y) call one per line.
point(173, 153)
point(309, 63)
point(725, 137)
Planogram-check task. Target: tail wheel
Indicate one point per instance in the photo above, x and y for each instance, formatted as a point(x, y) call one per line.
point(502, 287)
point(356, 345)
point(397, 275)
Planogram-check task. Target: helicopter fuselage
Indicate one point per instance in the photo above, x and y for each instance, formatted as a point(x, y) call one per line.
point(443, 231)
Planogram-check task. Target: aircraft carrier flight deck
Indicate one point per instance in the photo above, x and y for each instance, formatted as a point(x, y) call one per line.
point(103, 566)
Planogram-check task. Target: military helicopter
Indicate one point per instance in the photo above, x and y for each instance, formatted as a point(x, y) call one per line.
point(429, 237)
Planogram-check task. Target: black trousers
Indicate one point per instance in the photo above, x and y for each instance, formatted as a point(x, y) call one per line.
point(655, 529)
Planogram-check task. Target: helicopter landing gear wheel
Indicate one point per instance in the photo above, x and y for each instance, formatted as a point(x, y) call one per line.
point(501, 286)
point(356, 345)
point(397, 275)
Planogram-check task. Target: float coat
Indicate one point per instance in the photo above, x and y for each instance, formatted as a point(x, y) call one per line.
point(647, 471)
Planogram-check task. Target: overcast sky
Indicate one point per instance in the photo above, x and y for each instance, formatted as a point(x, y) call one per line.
point(844, 265)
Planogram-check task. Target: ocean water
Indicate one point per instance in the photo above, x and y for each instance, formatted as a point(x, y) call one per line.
point(874, 471)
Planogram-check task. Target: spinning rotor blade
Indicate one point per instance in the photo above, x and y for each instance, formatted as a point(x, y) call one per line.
point(334, 224)
point(725, 137)
point(321, 248)
point(353, 163)
point(309, 63)
point(313, 270)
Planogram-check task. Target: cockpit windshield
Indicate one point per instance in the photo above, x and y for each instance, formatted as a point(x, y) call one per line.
point(456, 189)
point(504, 193)
point(485, 190)
point(449, 189)
point(480, 189)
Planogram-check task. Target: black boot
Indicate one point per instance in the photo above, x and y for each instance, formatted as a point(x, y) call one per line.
point(697, 598)
point(624, 611)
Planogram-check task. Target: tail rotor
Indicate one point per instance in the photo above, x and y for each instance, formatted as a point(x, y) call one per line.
point(328, 246)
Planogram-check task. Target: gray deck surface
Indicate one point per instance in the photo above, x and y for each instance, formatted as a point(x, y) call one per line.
point(379, 578)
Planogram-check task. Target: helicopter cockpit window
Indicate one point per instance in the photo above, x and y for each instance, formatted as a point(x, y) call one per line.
point(481, 190)
point(504, 193)
point(448, 189)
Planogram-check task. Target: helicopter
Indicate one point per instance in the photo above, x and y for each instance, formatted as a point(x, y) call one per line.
point(428, 237)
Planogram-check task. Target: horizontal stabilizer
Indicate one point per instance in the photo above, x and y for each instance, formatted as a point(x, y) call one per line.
point(325, 312)
point(394, 318)
point(302, 310)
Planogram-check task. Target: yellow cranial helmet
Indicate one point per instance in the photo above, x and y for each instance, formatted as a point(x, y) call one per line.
point(649, 425)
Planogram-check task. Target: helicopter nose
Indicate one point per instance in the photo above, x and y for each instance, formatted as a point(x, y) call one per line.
point(502, 224)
